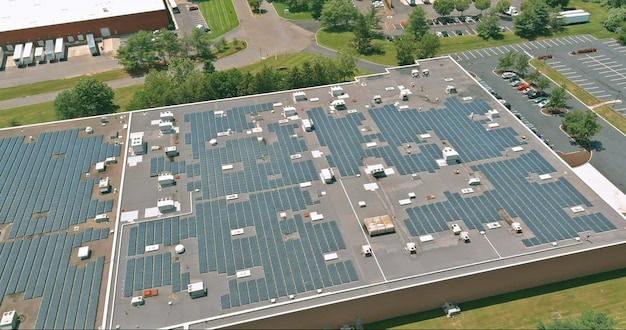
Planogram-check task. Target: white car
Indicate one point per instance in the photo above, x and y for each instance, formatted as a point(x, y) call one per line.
point(439, 34)
point(508, 75)
point(543, 103)
point(469, 20)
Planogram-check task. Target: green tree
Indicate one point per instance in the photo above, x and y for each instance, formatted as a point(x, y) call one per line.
point(345, 63)
point(416, 24)
point(167, 44)
point(255, 5)
point(138, 53)
point(180, 68)
point(501, 6)
point(542, 83)
point(428, 46)
point(557, 3)
point(507, 61)
point(582, 126)
point(338, 12)
point(533, 76)
point(192, 89)
point(201, 42)
point(621, 38)
point(373, 19)
point(461, 5)
point(316, 8)
point(482, 5)
point(533, 21)
point(89, 97)
point(522, 64)
point(157, 91)
point(225, 84)
point(220, 44)
point(443, 7)
point(406, 47)
point(489, 28)
point(558, 98)
point(362, 40)
point(614, 19)
point(208, 67)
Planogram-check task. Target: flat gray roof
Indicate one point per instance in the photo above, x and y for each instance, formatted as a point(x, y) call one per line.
point(25, 14)
point(248, 205)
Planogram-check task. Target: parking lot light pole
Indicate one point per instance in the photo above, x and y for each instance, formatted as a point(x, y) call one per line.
point(546, 55)
point(617, 98)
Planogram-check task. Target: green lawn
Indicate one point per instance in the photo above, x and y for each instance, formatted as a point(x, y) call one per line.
point(339, 40)
point(44, 112)
point(280, 9)
point(523, 309)
point(287, 61)
point(220, 15)
point(231, 49)
point(56, 85)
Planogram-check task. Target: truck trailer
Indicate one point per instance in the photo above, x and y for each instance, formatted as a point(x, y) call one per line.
point(59, 49)
point(573, 17)
point(93, 45)
point(28, 56)
point(49, 50)
point(17, 54)
point(39, 56)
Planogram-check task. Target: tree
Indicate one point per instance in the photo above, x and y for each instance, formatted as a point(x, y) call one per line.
point(316, 8)
point(157, 91)
point(557, 3)
point(406, 47)
point(255, 5)
point(208, 67)
point(416, 24)
point(201, 42)
point(346, 65)
point(373, 19)
point(443, 7)
point(362, 40)
point(89, 97)
point(621, 38)
point(138, 52)
point(489, 28)
point(614, 19)
point(482, 5)
point(501, 6)
point(167, 44)
point(180, 69)
point(542, 83)
point(220, 44)
point(558, 98)
point(338, 12)
point(428, 46)
point(521, 64)
point(533, 76)
point(507, 61)
point(533, 21)
point(461, 5)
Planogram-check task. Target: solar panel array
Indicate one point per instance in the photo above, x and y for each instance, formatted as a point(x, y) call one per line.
point(39, 268)
point(398, 128)
point(265, 166)
point(162, 164)
point(152, 271)
point(541, 206)
point(167, 231)
point(42, 190)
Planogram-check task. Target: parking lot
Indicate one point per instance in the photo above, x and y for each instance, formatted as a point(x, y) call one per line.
point(602, 74)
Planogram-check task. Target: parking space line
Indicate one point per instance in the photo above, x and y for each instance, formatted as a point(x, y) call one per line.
point(585, 84)
point(597, 92)
point(608, 42)
point(572, 77)
point(557, 66)
point(603, 96)
point(583, 40)
point(470, 52)
point(560, 41)
point(595, 87)
point(493, 50)
point(465, 55)
point(616, 79)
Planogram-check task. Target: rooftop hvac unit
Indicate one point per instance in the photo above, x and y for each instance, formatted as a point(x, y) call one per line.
point(378, 99)
point(474, 182)
point(166, 125)
point(411, 248)
point(379, 225)
point(338, 104)
point(456, 229)
point(171, 151)
point(450, 89)
point(104, 185)
point(517, 227)
point(166, 116)
point(102, 218)
point(196, 290)
point(366, 250)
point(101, 167)
point(327, 175)
point(289, 111)
point(166, 205)
point(415, 73)
point(450, 156)
point(84, 252)
point(307, 125)
point(336, 91)
point(137, 143)
point(110, 160)
point(137, 301)
point(299, 96)
point(464, 236)
point(166, 179)
point(9, 320)
point(451, 310)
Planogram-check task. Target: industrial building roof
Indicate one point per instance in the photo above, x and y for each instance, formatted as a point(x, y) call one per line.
point(25, 14)
point(246, 210)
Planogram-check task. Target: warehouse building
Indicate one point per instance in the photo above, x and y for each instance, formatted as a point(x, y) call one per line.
point(32, 20)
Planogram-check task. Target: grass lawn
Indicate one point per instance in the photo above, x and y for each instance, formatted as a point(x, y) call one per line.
point(585, 97)
point(523, 309)
point(56, 85)
point(339, 40)
point(44, 112)
point(231, 49)
point(280, 9)
point(220, 16)
point(287, 61)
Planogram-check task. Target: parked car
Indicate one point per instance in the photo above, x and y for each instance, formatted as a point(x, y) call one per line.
point(468, 19)
point(540, 99)
point(439, 34)
point(527, 90)
point(516, 83)
point(522, 87)
point(543, 103)
point(192, 7)
point(458, 32)
point(445, 34)
point(508, 75)
point(535, 94)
